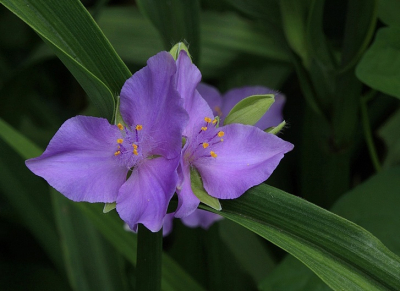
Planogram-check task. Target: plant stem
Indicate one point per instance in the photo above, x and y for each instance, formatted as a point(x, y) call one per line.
point(367, 132)
point(149, 252)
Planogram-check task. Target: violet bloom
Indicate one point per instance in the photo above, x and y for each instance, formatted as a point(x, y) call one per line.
point(222, 105)
point(89, 159)
point(230, 159)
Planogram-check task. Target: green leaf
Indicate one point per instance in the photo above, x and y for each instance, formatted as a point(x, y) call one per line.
point(390, 134)
point(176, 20)
point(360, 26)
point(294, 20)
point(276, 129)
point(344, 255)
point(379, 68)
point(248, 248)
point(198, 190)
point(388, 12)
point(240, 38)
point(77, 40)
point(91, 263)
point(373, 205)
point(250, 109)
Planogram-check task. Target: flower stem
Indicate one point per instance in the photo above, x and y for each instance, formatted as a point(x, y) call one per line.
point(149, 251)
point(367, 131)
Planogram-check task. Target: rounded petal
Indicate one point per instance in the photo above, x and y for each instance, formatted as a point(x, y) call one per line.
point(145, 195)
point(212, 96)
point(271, 118)
point(201, 218)
point(168, 224)
point(149, 98)
point(246, 157)
point(79, 161)
point(188, 78)
point(187, 201)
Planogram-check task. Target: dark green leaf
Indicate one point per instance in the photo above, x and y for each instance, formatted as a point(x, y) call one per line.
point(388, 12)
point(176, 20)
point(77, 40)
point(390, 134)
point(380, 66)
point(373, 205)
point(340, 252)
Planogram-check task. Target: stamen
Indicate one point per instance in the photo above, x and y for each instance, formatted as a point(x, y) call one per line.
point(213, 154)
point(135, 152)
point(205, 145)
point(117, 153)
point(135, 146)
point(222, 139)
point(214, 121)
point(221, 134)
point(120, 126)
point(204, 128)
point(207, 119)
point(139, 127)
point(120, 140)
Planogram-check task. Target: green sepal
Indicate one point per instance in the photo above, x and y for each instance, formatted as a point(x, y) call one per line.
point(109, 206)
point(250, 109)
point(198, 190)
point(276, 129)
point(117, 113)
point(177, 48)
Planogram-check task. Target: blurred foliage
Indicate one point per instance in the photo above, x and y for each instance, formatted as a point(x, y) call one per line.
point(328, 57)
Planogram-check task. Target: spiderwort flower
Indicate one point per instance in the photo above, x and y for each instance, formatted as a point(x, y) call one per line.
point(230, 159)
point(89, 159)
point(222, 105)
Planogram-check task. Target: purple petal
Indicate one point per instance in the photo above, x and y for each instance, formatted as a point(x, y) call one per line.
point(271, 118)
point(145, 195)
point(245, 158)
point(168, 224)
point(187, 201)
point(188, 77)
point(201, 218)
point(149, 98)
point(212, 96)
point(79, 161)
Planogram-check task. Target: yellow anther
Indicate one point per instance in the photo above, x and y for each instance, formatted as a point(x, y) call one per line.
point(221, 133)
point(205, 145)
point(214, 155)
point(204, 128)
point(120, 126)
point(117, 153)
point(134, 146)
point(214, 121)
point(222, 139)
point(120, 140)
point(139, 127)
point(207, 119)
point(135, 152)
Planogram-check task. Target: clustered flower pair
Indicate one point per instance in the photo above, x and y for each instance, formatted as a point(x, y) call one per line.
point(140, 163)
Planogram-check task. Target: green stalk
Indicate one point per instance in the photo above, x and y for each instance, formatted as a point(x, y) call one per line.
point(149, 252)
point(367, 133)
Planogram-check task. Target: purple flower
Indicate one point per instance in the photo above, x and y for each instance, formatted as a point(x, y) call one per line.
point(230, 159)
point(222, 105)
point(89, 159)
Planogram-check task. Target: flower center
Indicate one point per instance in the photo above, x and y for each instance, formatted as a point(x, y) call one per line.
point(202, 145)
point(129, 147)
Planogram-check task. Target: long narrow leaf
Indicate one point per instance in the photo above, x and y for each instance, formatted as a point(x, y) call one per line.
point(344, 255)
point(77, 40)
